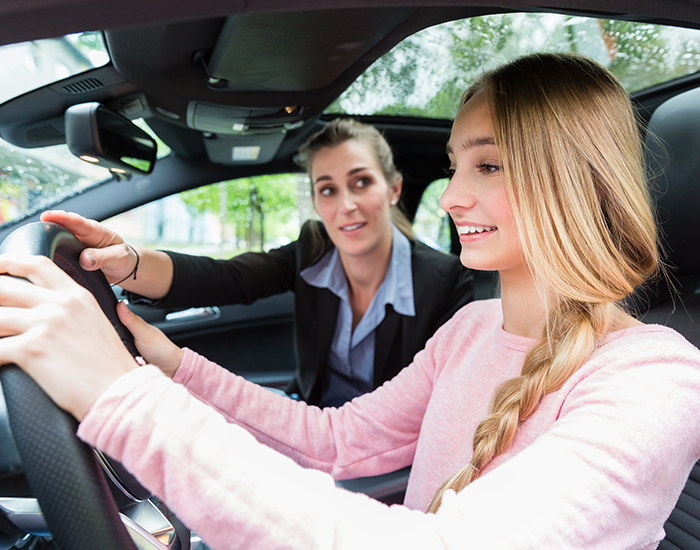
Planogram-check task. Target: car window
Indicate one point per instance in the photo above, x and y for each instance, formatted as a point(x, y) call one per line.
point(425, 75)
point(432, 224)
point(162, 148)
point(29, 65)
point(223, 219)
point(32, 180)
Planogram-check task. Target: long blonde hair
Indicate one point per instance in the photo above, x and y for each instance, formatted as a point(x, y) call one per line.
point(572, 159)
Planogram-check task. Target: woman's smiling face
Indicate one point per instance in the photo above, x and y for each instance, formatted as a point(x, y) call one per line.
point(476, 197)
point(353, 198)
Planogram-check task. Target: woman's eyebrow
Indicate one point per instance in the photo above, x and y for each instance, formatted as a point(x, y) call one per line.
point(469, 143)
point(350, 173)
point(358, 169)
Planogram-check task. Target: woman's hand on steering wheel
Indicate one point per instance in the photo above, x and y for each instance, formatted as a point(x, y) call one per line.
point(154, 346)
point(105, 249)
point(55, 330)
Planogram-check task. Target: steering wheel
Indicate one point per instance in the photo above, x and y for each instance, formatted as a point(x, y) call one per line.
point(63, 473)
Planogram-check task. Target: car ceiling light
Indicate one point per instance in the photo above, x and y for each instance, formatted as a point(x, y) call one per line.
point(86, 158)
point(248, 153)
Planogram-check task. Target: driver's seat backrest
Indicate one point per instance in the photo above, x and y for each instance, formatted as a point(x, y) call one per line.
point(673, 159)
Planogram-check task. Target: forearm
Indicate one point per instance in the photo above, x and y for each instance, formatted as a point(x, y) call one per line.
point(346, 442)
point(181, 450)
point(154, 275)
point(198, 281)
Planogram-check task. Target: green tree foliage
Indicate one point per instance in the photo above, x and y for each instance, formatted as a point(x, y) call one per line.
point(471, 43)
point(426, 74)
point(431, 224)
point(253, 211)
point(392, 75)
point(642, 56)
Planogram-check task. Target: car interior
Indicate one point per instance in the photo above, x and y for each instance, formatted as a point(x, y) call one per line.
point(228, 92)
point(671, 146)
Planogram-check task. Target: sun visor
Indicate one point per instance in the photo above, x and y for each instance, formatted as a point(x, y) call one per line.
point(296, 51)
point(255, 149)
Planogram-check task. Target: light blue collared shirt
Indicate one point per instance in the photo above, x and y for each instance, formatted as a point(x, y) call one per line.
point(350, 365)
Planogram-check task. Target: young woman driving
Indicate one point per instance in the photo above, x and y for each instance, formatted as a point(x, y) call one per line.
point(367, 294)
point(549, 418)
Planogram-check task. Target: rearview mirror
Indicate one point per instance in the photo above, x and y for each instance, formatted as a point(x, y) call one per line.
point(100, 136)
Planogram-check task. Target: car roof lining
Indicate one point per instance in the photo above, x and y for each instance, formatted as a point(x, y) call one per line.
point(21, 20)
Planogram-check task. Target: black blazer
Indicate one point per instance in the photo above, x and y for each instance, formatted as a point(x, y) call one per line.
point(441, 285)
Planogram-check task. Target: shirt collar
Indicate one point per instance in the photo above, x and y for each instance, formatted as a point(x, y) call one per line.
point(396, 289)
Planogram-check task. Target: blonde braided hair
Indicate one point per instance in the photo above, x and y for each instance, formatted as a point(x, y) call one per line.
point(572, 159)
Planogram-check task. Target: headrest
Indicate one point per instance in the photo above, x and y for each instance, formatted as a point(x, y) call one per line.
point(673, 160)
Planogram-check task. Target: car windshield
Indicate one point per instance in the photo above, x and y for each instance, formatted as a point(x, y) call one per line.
point(34, 179)
point(425, 75)
point(29, 65)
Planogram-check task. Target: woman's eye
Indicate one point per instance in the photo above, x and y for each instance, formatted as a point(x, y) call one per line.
point(362, 182)
point(488, 168)
point(449, 171)
point(325, 191)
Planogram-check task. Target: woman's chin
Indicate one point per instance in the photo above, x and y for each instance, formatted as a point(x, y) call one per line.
point(471, 261)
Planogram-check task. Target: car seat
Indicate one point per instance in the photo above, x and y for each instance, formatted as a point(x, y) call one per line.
point(673, 160)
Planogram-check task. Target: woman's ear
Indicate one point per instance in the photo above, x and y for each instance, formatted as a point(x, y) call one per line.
point(395, 193)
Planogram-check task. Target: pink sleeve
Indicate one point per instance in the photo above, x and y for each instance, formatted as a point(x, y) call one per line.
point(227, 487)
point(342, 442)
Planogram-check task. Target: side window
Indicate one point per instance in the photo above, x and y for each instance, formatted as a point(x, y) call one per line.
point(222, 219)
point(432, 224)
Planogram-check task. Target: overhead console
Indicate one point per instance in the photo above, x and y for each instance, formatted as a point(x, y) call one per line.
point(223, 119)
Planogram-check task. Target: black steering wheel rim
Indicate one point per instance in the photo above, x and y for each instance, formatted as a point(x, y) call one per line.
point(62, 471)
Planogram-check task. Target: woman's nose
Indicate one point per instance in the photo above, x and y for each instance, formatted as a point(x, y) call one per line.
point(347, 201)
point(457, 195)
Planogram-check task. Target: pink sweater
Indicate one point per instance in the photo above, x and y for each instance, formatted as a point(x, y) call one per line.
point(600, 464)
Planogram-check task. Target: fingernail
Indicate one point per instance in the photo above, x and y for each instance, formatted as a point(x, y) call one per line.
point(91, 261)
